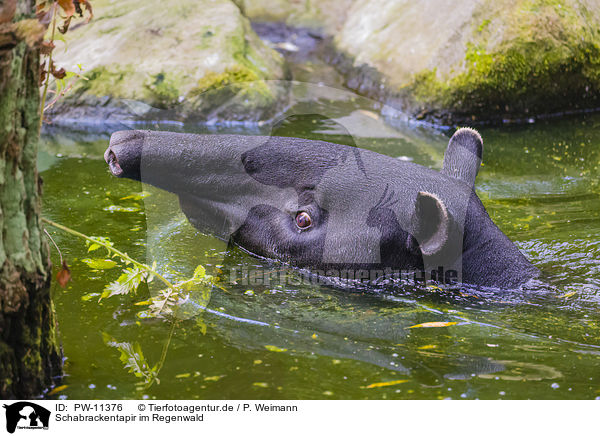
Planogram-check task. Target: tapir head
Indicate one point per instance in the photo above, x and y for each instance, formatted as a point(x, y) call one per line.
point(312, 203)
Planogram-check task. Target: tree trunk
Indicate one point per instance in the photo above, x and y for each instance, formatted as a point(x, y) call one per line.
point(29, 352)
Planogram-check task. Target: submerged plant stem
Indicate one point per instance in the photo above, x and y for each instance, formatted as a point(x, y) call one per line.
point(163, 356)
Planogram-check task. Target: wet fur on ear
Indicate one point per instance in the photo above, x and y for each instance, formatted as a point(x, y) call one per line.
point(432, 221)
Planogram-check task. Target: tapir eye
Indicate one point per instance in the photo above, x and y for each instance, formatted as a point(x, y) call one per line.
point(303, 220)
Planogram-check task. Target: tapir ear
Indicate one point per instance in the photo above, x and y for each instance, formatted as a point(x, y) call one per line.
point(432, 222)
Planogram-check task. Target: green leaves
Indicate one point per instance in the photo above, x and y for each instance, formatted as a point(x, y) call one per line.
point(169, 302)
point(200, 285)
point(96, 242)
point(133, 358)
point(127, 282)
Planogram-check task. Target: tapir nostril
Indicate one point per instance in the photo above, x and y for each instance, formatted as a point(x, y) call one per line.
point(111, 159)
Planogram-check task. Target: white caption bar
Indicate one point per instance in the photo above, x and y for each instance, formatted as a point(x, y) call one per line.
point(153, 417)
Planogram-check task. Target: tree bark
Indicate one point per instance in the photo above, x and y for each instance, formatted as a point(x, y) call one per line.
point(30, 354)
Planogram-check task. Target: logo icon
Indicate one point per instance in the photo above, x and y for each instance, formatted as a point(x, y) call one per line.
point(26, 415)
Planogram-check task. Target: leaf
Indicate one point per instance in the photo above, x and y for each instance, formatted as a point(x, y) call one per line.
point(433, 324)
point(199, 273)
point(214, 378)
point(59, 73)
point(162, 304)
point(384, 384)
point(64, 275)
point(198, 289)
point(127, 282)
point(92, 246)
point(100, 263)
point(275, 349)
point(67, 6)
point(57, 389)
point(88, 297)
point(132, 357)
point(44, 12)
point(201, 325)
point(65, 26)
point(88, 8)
point(47, 47)
point(137, 197)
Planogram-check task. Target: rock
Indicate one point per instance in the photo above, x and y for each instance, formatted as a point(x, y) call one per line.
point(478, 60)
point(193, 60)
point(485, 60)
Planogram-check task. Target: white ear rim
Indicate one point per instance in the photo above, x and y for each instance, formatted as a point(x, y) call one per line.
point(435, 242)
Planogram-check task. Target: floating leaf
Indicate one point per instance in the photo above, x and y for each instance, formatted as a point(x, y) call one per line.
point(383, 384)
point(57, 389)
point(137, 197)
point(64, 275)
point(88, 297)
point(100, 263)
point(433, 324)
point(275, 348)
point(214, 378)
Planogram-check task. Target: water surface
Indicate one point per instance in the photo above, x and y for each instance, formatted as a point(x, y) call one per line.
point(539, 184)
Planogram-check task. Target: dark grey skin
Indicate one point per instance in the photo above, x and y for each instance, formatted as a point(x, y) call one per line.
point(326, 206)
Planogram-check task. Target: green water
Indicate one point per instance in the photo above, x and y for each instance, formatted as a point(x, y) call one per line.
point(539, 183)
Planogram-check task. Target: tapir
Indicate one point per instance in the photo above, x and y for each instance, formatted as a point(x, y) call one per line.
point(328, 207)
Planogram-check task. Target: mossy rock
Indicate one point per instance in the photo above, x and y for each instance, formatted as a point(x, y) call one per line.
point(490, 60)
point(190, 60)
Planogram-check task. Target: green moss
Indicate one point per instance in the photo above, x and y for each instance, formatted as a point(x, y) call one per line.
point(102, 81)
point(241, 81)
point(483, 25)
point(163, 91)
point(538, 70)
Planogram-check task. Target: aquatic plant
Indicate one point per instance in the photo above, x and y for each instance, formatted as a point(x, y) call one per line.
point(165, 304)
